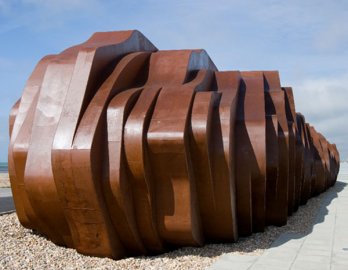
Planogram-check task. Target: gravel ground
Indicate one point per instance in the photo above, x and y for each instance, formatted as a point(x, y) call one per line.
point(4, 180)
point(21, 248)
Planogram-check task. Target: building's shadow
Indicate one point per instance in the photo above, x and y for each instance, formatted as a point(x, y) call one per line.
point(213, 250)
point(330, 195)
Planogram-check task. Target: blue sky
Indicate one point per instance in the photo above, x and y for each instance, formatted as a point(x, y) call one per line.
point(307, 41)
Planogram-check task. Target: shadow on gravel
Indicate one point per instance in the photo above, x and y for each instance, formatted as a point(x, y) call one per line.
point(330, 195)
point(250, 244)
point(259, 240)
point(263, 240)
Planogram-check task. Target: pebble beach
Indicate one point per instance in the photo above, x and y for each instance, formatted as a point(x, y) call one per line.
point(21, 248)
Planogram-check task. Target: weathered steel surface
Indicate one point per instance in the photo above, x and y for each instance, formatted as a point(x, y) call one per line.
point(118, 149)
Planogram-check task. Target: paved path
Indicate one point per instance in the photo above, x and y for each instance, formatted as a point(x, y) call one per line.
point(324, 248)
point(6, 201)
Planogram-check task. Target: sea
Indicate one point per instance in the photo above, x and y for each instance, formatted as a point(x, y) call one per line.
point(3, 167)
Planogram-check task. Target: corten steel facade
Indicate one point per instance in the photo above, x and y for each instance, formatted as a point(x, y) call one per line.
point(118, 149)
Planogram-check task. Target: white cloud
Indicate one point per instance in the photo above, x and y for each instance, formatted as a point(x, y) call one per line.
point(323, 101)
point(320, 95)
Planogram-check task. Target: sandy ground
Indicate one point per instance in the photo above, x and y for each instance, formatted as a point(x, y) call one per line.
point(4, 180)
